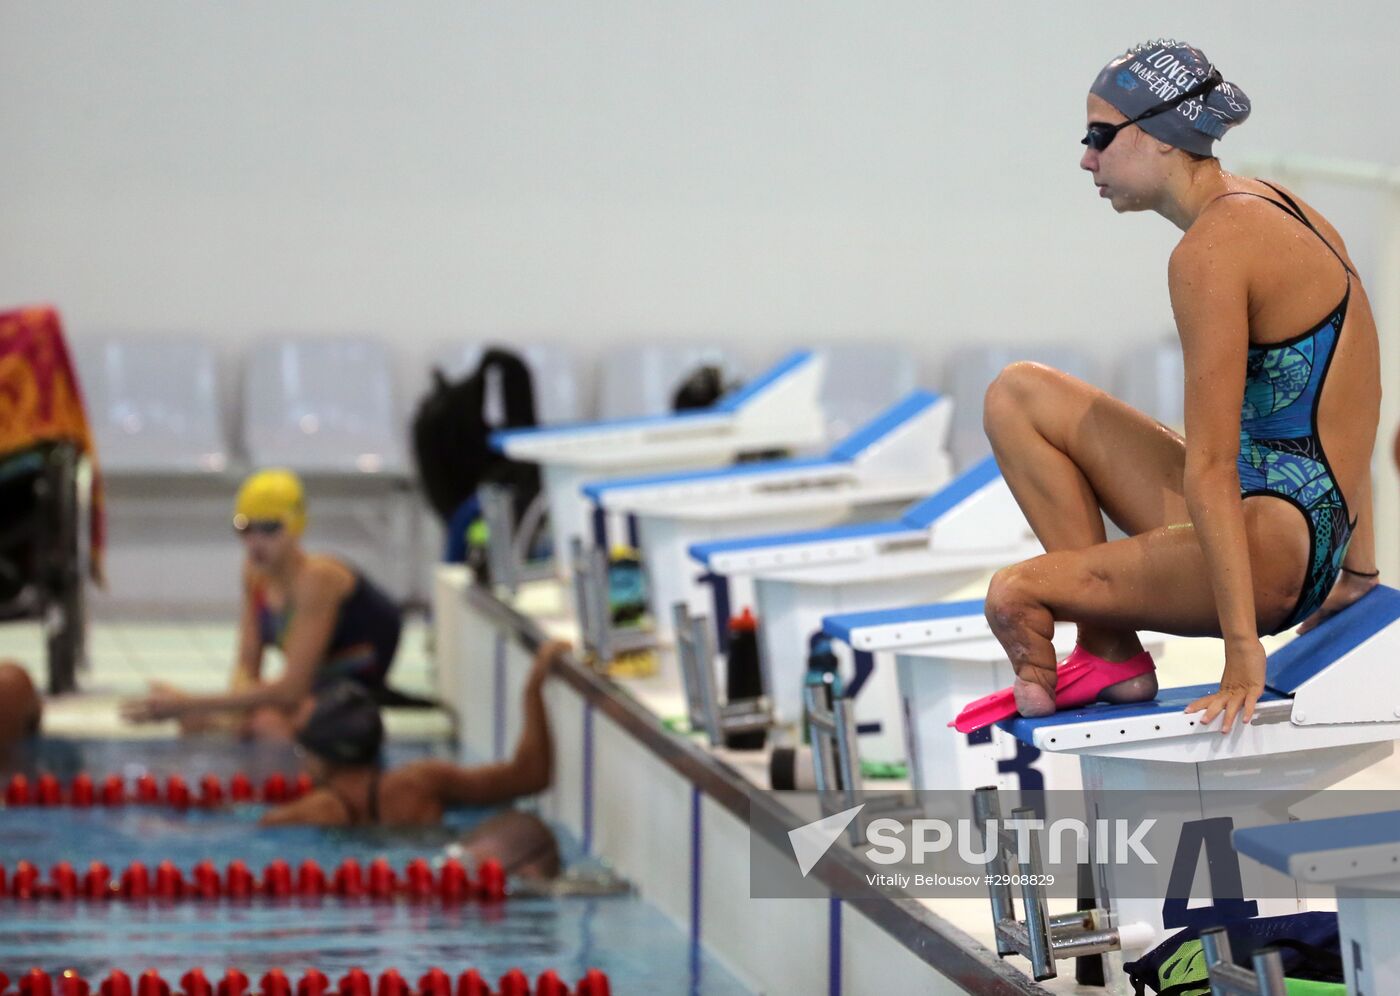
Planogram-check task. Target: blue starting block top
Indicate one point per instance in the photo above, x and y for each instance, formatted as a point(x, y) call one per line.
point(841, 455)
point(1276, 846)
point(918, 516)
point(728, 405)
point(1168, 700)
point(1288, 668)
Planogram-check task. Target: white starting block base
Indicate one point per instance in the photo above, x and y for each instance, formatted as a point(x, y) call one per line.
point(1359, 856)
point(779, 409)
point(897, 457)
point(945, 546)
point(570, 514)
point(791, 609)
point(945, 658)
point(1123, 788)
point(672, 576)
point(1328, 712)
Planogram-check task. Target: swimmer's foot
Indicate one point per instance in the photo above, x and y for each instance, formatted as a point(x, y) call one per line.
point(1081, 679)
point(1032, 699)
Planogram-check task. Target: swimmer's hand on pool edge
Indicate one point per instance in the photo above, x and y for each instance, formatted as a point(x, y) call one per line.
point(548, 653)
point(1240, 685)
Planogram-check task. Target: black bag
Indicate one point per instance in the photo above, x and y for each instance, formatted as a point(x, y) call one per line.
point(700, 389)
point(451, 436)
point(1309, 943)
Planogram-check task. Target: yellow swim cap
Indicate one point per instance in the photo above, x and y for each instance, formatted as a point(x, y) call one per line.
point(275, 495)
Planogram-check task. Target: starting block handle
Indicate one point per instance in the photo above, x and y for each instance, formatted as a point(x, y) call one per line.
point(498, 511)
point(1041, 954)
point(591, 599)
point(987, 809)
point(831, 727)
point(696, 652)
point(1228, 979)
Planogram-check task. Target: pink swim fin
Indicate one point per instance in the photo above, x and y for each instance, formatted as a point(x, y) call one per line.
point(1078, 681)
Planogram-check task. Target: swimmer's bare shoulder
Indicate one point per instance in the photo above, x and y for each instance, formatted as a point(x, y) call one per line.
point(324, 577)
point(318, 808)
point(409, 795)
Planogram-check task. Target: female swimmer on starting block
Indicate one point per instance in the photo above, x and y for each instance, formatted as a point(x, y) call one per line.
point(1260, 518)
point(330, 622)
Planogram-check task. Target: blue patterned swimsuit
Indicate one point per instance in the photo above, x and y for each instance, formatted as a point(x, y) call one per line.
point(1280, 450)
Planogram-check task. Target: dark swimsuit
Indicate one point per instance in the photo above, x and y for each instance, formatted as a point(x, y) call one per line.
point(1280, 450)
point(362, 644)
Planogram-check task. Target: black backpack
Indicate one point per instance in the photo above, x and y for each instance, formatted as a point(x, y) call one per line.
point(701, 388)
point(451, 437)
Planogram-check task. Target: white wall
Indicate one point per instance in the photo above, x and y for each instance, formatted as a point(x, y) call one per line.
point(764, 172)
point(760, 173)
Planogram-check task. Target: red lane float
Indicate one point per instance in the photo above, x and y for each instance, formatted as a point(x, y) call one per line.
point(313, 983)
point(470, 983)
point(97, 883)
point(195, 983)
point(356, 982)
point(17, 792)
point(83, 791)
point(378, 881)
point(491, 882)
point(114, 794)
point(435, 982)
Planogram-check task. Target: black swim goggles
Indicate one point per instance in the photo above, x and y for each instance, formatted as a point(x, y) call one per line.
point(243, 525)
point(1101, 135)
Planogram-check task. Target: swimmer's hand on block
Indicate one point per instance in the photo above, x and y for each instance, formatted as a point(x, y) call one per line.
point(1081, 679)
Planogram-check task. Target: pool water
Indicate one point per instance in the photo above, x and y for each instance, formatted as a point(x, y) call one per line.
point(640, 949)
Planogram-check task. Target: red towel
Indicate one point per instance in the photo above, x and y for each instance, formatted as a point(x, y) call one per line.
point(41, 402)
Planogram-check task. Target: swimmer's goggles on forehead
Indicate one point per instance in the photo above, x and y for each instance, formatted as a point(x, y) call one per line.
point(243, 525)
point(1101, 134)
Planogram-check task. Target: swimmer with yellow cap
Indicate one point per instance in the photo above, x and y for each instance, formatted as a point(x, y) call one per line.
point(330, 622)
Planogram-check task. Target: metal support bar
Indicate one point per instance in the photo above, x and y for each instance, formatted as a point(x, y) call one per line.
point(507, 548)
point(1229, 979)
point(599, 637)
point(706, 711)
point(498, 509)
point(831, 728)
point(1041, 938)
point(584, 597)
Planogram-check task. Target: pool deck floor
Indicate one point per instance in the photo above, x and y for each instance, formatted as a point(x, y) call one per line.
point(124, 657)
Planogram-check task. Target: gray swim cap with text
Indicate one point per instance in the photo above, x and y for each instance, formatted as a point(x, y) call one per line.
point(1155, 72)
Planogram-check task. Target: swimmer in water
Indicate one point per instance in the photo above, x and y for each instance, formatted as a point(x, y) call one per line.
point(21, 709)
point(1260, 518)
point(330, 622)
point(343, 737)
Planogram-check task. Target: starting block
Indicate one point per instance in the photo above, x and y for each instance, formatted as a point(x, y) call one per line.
point(779, 409)
point(1331, 708)
point(945, 657)
point(946, 544)
point(1359, 856)
point(899, 455)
